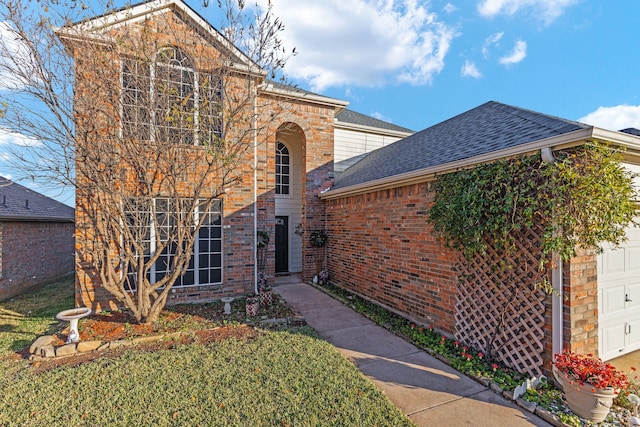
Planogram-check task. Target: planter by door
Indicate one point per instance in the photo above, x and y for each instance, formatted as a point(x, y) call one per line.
point(584, 401)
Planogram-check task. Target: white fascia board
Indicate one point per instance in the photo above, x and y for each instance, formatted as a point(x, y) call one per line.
point(338, 104)
point(630, 143)
point(423, 175)
point(143, 11)
point(75, 34)
point(370, 129)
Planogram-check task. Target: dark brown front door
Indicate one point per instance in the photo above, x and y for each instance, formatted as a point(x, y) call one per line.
point(282, 244)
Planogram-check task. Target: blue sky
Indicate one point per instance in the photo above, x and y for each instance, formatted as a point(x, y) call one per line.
point(416, 63)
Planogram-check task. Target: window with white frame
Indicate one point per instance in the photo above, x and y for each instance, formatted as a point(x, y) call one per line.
point(205, 265)
point(283, 169)
point(168, 100)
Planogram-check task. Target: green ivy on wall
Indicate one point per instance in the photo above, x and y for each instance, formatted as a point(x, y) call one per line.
point(582, 199)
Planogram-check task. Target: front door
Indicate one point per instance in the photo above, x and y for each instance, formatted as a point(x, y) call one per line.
point(282, 244)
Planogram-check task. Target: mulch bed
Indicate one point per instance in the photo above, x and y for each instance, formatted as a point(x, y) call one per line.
point(197, 324)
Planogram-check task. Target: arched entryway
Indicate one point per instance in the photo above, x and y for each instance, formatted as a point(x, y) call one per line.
point(289, 198)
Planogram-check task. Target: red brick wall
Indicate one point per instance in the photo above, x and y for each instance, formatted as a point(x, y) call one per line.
point(580, 288)
point(247, 201)
point(381, 247)
point(34, 253)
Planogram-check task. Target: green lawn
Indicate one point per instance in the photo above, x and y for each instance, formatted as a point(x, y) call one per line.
point(288, 377)
point(27, 316)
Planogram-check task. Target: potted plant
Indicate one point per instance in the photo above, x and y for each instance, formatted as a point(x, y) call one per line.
point(589, 384)
point(319, 241)
point(252, 304)
point(264, 290)
point(262, 244)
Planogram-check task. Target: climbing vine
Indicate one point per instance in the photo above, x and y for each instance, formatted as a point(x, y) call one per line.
point(582, 199)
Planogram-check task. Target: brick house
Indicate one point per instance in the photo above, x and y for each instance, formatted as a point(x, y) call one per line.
point(312, 171)
point(36, 239)
point(281, 173)
point(382, 248)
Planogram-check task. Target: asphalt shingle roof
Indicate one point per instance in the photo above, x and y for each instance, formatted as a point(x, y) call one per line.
point(353, 117)
point(487, 128)
point(631, 131)
point(14, 207)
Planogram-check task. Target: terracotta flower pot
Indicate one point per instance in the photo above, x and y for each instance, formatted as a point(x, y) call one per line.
point(590, 403)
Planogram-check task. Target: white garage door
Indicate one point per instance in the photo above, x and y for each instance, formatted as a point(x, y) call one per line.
point(619, 297)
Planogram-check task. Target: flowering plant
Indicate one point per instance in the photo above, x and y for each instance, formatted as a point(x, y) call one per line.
point(587, 369)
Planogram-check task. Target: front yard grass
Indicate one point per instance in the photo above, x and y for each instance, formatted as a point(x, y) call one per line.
point(282, 377)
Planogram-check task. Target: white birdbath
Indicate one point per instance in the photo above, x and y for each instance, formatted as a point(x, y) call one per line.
point(72, 316)
point(227, 304)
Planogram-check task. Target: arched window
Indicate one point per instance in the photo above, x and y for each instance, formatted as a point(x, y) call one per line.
point(174, 87)
point(168, 100)
point(283, 169)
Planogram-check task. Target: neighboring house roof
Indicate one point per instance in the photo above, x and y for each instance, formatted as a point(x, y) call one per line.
point(631, 131)
point(485, 133)
point(18, 203)
point(347, 116)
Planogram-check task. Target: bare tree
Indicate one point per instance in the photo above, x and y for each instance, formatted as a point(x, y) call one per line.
point(150, 121)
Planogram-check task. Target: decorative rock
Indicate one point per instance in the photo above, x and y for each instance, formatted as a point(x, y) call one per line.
point(104, 346)
point(41, 342)
point(66, 350)
point(47, 351)
point(495, 388)
point(120, 343)
point(482, 380)
point(529, 406)
point(88, 346)
point(148, 338)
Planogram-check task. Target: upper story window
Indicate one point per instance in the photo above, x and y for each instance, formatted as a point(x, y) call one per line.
point(168, 100)
point(283, 170)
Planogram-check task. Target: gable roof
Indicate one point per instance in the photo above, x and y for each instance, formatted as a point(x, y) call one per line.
point(347, 116)
point(96, 28)
point(18, 203)
point(485, 133)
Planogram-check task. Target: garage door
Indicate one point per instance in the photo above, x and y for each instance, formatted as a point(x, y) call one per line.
point(619, 297)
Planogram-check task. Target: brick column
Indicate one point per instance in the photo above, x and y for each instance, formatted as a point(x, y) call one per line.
point(580, 287)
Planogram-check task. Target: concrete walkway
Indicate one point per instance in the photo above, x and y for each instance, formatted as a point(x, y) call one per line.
point(430, 392)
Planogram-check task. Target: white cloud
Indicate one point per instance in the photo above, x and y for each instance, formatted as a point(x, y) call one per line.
point(518, 54)
point(547, 10)
point(363, 42)
point(469, 69)
point(449, 8)
point(614, 118)
point(493, 39)
point(11, 138)
point(12, 53)
point(381, 116)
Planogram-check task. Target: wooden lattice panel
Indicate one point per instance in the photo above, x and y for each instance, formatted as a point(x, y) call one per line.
point(497, 302)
